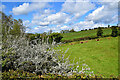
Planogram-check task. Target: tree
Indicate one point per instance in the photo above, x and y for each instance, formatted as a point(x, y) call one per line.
point(56, 36)
point(114, 31)
point(119, 31)
point(49, 32)
point(62, 31)
point(108, 26)
point(72, 30)
point(99, 32)
point(11, 27)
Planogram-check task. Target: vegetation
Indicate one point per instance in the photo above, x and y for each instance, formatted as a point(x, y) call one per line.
point(114, 31)
point(56, 37)
point(72, 30)
point(18, 54)
point(88, 33)
point(101, 56)
point(11, 74)
point(91, 34)
point(32, 55)
point(99, 32)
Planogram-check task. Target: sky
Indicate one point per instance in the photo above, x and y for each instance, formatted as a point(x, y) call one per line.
point(41, 16)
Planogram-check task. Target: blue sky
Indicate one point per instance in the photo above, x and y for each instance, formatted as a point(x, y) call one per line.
point(56, 16)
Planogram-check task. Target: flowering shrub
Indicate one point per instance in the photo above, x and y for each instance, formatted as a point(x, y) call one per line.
point(37, 58)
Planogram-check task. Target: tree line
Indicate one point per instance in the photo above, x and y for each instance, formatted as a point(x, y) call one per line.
point(115, 31)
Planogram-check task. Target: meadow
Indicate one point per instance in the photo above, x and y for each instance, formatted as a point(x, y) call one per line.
point(101, 56)
point(81, 34)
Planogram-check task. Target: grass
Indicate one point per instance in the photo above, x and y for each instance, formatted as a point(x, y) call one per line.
point(101, 56)
point(88, 33)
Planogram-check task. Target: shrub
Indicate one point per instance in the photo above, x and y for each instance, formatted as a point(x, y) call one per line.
point(56, 37)
point(114, 31)
point(99, 31)
point(72, 30)
point(40, 58)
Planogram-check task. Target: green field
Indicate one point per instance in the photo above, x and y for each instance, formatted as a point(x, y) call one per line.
point(88, 33)
point(101, 56)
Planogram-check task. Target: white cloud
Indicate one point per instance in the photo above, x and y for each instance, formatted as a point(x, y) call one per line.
point(58, 18)
point(65, 27)
point(71, 11)
point(107, 13)
point(44, 23)
point(77, 9)
point(39, 29)
point(25, 8)
point(40, 23)
point(86, 25)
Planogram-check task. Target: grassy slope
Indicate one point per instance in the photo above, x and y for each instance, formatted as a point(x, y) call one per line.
point(101, 56)
point(73, 35)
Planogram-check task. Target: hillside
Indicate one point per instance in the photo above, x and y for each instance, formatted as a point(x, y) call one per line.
point(88, 33)
point(101, 56)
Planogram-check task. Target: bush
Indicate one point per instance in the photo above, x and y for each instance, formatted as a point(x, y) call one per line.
point(119, 31)
point(72, 30)
point(99, 31)
point(8, 59)
point(114, 31)
point(56, 37)
point(40, 58)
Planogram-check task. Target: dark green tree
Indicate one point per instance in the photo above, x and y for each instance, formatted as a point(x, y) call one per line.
point(72, 30)
point(114, 31)
point(108, 26)
point(56, 36)
point(99, 32)
point(119, 31)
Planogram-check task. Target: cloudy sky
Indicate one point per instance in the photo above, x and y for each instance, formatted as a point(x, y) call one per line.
point(41, 16)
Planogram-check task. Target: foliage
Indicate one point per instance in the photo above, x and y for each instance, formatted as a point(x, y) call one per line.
point(19, 74)
point(119, 31)
point(108, 26)
point(11, 26)
point(72, 30)
point(56, 37)
point(13, 74)
point(8, 59)
point(64, 31)
point(99, 32)
point(114, 31)
point(38, 58)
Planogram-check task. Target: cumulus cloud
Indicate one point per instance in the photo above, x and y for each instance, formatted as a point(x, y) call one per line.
point(40, 29)
point(25, 8)
point(58, 18)
point(106, 14)
point(65, 27)
point(77, 9)
point(66, 18)
point(87, 25)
